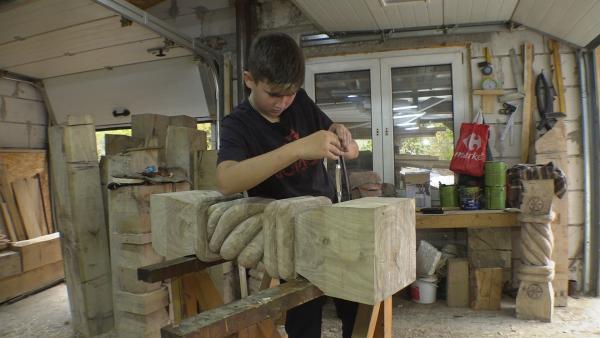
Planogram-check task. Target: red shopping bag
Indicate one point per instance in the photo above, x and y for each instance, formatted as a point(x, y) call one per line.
point(470, 151)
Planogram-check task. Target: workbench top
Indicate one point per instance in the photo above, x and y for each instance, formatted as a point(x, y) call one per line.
point(468, 219)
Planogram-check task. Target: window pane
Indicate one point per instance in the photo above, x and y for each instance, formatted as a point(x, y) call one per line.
point(346, 98)
point(422, 111)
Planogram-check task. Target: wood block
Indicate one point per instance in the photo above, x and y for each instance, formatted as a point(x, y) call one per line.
point(133, 256)
point(142, 303)
point(205, 166)
point(97, 317)
point(486, 288)
point(10, 264)
point(115, 144)
point(129, 207)
point(127, 281)
point(151, 128)
point(285, 225)
point(143, 325)
point(144, 238)
point(28, 281)
point(131, 162)
point(458, 282)
point(175, 221)
point(362, 250)
point(75, 120)
point(180, 146)
point(183, 121)
point(80, 219)
point(39, 251)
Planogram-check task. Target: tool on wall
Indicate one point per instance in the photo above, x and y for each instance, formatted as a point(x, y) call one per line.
point(487, 70)
point(545, 94)
point(517, 71)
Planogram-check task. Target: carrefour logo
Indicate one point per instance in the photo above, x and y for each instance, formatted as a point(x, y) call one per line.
point(472, 142)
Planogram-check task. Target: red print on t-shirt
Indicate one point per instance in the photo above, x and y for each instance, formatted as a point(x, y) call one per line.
point(298, 166)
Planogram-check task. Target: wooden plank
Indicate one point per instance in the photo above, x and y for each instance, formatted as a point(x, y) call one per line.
point(39, 251)
point(458, 283)
point(115, 144)
point(364, 238)
point(29, 281)
point(528, 88)
point(486, 288)
point(233, 317)
point(468, 219)
point(26, 205)
point(10, 264)
point(8, 223)
point(173, 268)
point(33, 184)
point(9, 198)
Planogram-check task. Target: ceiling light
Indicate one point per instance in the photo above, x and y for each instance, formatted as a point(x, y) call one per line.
point(351, 96)
point(403, 116)
point(404, 107)
point(412, 128)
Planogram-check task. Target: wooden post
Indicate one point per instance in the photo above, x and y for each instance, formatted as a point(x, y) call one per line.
point(528, 87)
point(535, 299)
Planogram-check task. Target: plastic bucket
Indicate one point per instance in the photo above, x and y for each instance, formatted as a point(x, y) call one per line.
point(423, 290)
point(495, 173)
point(470, 198)
point(449, 196)
point(495, 197)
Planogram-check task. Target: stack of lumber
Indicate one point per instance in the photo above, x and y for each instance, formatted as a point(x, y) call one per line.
point(24, 197)
point(80, 219)
point(361, 250)
point(32, 259)
point(162, 142)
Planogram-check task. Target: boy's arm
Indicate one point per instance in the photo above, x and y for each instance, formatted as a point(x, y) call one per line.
point(234, 177)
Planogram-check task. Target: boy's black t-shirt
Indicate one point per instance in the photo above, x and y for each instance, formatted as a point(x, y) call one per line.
point(246, 134)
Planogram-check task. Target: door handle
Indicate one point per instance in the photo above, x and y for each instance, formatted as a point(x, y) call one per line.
point(386, 131)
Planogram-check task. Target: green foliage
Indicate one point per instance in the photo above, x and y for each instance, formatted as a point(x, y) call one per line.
point(441, 145)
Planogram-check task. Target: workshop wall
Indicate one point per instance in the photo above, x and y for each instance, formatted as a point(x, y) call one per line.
point(509, 150)
point(23, 118)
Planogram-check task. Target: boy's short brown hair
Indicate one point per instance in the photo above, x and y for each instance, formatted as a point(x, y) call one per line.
point(276, 59)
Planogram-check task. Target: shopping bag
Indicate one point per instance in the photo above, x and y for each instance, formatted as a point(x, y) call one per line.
point(470, 151)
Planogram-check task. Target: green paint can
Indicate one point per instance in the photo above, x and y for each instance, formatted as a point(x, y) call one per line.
point(449, 196)
point(495, 173)
point(495, 198)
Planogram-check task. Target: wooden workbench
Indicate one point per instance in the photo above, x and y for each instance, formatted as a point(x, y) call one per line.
point(481, 219)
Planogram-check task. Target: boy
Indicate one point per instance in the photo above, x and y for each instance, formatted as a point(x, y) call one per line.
point(273, 145)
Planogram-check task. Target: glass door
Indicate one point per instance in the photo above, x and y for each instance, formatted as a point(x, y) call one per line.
point(423, 103)
point(349, 93)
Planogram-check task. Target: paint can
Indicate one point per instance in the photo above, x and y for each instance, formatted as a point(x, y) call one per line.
point(423, 290)
point(495, 173)
point(470, 198)
point(495, 198)
point(449, 196)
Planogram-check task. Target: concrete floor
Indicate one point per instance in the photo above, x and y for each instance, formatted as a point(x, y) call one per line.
point(46, 314)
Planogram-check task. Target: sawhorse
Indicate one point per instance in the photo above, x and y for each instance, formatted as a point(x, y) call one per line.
point(251, 317)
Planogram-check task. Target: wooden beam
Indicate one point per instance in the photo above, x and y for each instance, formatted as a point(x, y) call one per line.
point(528, 84)
point(173, 268)
point(240, 314)
point(468, 219)
point(39, 251)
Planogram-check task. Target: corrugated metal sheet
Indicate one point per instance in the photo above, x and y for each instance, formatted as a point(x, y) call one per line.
point(48, 38)
point(574, 21)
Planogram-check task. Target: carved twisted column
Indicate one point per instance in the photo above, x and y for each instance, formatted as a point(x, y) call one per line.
point(535, 299)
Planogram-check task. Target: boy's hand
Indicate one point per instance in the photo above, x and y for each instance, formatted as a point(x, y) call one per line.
point(319, 145)
point(343, 134)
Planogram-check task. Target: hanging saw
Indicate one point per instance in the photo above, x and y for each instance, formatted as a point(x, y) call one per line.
point(545, 102)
